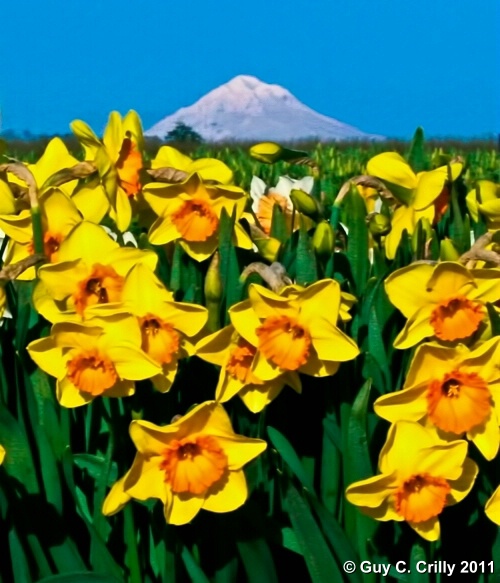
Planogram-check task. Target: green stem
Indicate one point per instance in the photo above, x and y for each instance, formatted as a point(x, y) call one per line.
point(132, 554)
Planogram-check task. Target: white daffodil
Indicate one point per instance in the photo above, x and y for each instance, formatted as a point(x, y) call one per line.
point(265, 197)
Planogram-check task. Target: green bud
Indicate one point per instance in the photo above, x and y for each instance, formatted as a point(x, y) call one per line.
point(304, 203)
point(267, 152)
point(448, 251)
point(213, 283)
point(268, 247)
point(323, 239)
point(379, 225)
point(213, 293)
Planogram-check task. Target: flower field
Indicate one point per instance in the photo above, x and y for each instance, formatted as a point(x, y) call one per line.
point(242, 365)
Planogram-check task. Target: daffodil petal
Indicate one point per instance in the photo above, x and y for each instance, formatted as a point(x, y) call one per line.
point(392, 167)
point(240, 450)
point(230, 496)
point(429, 529)
point(492, 507)
point(183, 508)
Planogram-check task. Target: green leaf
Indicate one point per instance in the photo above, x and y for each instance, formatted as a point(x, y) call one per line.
point(18, 459)
point(417, 158)
point(354, 215)
point(257, 561)
point(286, 451)
point(279, 229)
point(319, 560)
point(418, 554)
point(358, 460)
point(305, 266)
point(95, 465)
point(80, 577)
point(289, 540)
point(194, 570)
point(376, 347)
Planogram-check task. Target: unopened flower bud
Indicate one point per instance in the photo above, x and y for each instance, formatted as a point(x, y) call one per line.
point(448, 251)
point(213, 284)
point(304, 203)
point(379, 225)
point(323, 239)
point(267, 152)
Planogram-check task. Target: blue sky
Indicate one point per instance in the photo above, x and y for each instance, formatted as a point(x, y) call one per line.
point(384, 66)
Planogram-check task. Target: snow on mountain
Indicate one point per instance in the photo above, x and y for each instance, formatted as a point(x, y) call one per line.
point(246, 109)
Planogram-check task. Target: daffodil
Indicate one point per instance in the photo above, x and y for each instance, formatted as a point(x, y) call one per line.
point(444, 301)
point(2, 454)
point(100, 358)
point(293, 331)
point(485, 198)
point(420, 476)
point(264, 198)
point(167, 327)
point(456, 390)
point(7, 200)
point(206, 168)
point(55, 157)
point(91, 270)
point(236, 357)
point(417, 192)
point(194, 463)
point(492, 508)
point(190, 212)
point(59, 217)
point(118, 158)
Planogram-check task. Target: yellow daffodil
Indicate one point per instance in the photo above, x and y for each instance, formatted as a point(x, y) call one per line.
point(189, 212)
point(194, 463)
point(206, 168)
point(91, 270)
point(456, 390)
point(7, 200)
point(292, 330)
point(2, 454)
point(236, 357)
point(167, 327)
point(118, 158)
point(485, 198)
point(59, 217)
point(100, 358)
point(492, 508)
point(444, 301)
point(56, 157)
point(418, 193)
point(420, 476)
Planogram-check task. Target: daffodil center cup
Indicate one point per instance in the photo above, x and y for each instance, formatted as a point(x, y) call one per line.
point(195, 220)
point(456, 318)
point(194, 464)
point(284, 341)
point(128, 166)
point(240, 362)
point(265, 209)
point(159, 339)
point(51, 244)
point(421, 497)
point(103, 285)
point(91, 372)
point(459, 401)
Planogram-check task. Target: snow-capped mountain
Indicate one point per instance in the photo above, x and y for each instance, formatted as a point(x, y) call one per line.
point(246, 109)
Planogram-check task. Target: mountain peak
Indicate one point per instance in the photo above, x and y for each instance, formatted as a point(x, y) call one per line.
point(246, 108)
